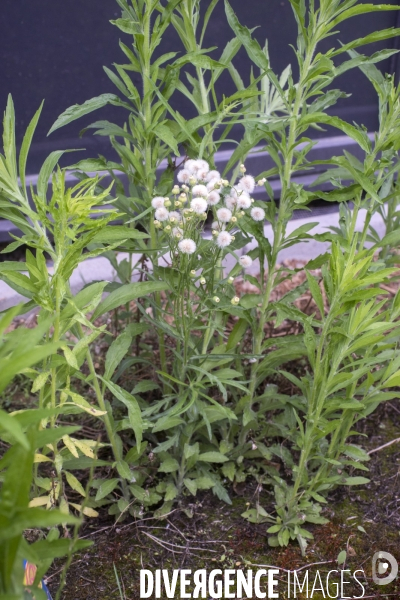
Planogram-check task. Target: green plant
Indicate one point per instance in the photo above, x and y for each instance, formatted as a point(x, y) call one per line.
point(19, 350)
point(63, 227)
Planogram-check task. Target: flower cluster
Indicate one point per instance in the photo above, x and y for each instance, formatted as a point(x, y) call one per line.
point(202, 190)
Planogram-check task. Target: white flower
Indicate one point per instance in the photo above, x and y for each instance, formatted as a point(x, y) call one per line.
point(200, 190)
point(212, 183)
point(224, 215)
point(230, 202)
point(202, 174)
point(183, 175)
point(247, 184)
point(199, 205)
point(258, 214)
point(216, 225)
point(175, 215)
point(158, 202)
point(213, 198)
point(202, 165)
point(194, 166)
point(190, 165)
point(213, 175)
point(223, 239)
point(177, 232)
point(243, 201)
point(187, 246)
point(245, 261)
point(161, 214)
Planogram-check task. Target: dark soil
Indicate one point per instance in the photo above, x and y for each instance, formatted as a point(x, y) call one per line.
point(362, 521)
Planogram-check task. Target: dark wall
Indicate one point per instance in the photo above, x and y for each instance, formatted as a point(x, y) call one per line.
point(55, 49)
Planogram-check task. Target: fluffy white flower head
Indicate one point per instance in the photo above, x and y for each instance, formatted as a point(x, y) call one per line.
point(223, 239)
point(212, 183)
point(213, 175)
point(230, 202)
point(224, 215)
point(243, 201)
point(161, 214)
point(200, 190)
point(175, 215)
point(158, 202)
point(213, 198)
point(202, 174)
point(190, 165)
point(257, 213)
point(187, 246)
point(199, 205)
point(247, 184)
point(245, 261)
point(183, 175)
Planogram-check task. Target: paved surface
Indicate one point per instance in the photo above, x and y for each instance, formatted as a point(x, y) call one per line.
point(99, 269)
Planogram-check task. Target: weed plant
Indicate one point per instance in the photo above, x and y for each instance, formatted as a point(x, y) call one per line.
point(211, 415)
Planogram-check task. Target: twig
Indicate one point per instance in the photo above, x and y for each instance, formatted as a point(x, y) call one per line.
point(384, 446)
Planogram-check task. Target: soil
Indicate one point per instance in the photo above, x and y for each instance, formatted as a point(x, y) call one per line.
point(363, 521)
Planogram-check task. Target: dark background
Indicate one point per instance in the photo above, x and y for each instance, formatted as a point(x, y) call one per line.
point(55, 50)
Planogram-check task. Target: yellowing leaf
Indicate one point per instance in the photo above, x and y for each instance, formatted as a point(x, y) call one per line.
point(89, 512)
point(75, 484)
point(70, 445)
point(84, 448)
point(41, 458)
point(39, 501)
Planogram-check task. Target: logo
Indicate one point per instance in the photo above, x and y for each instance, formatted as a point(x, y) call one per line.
point(384, 568)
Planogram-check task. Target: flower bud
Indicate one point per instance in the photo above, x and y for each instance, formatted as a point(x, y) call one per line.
point(203, 216)
point(182, 197)
point(172, 219)
point(235, 300)
point(225, 182)
point(252, 200)
point(202, 281)
point(167, 203)
point(192, 180)
point(216, 299)
point(234, 219)
point(192, 273)
point(215, 232)
point(188, 219)
point(176, 190)
point(177, 204)
point(157, 224)
point(231, 279)
point(167, 228)
point(232, 238)
point(242, 168)
point(261, 181)
point(185, 188)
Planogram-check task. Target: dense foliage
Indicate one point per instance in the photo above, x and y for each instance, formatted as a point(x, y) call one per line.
point(208, 412)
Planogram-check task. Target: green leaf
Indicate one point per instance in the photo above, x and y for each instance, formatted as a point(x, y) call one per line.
point(46, 171)
point(213, 457)
point(134, 412)
point(26, 144)
point(316, 293)
point(116, 353)
point(117, 233)
point(106, 488)
point(79, 110)
point(165, 134)
point(170, 465)
point(11, 426)
point(341, 559)
point(127, 293)
point(356, 480)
